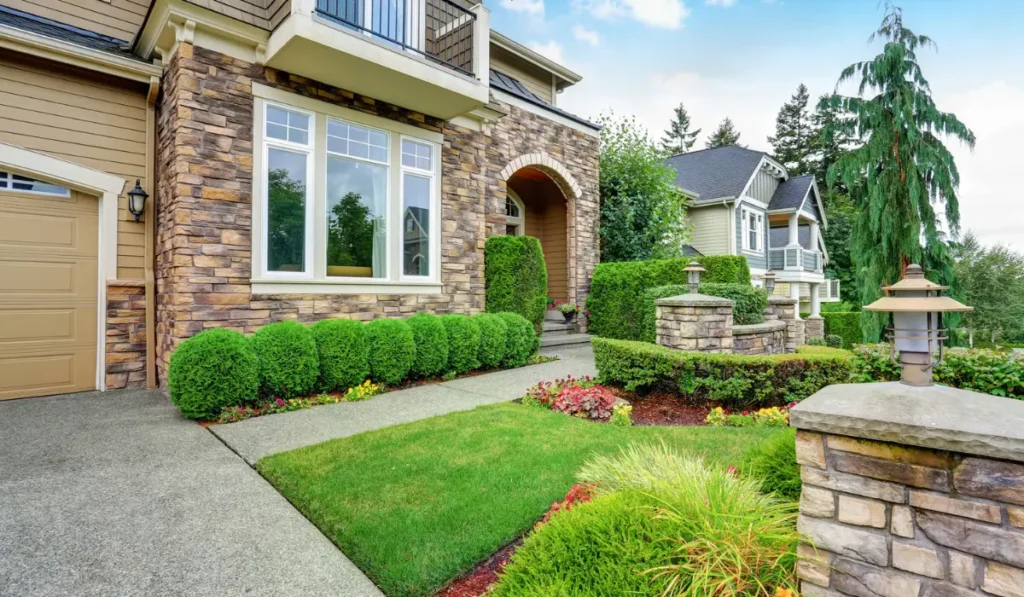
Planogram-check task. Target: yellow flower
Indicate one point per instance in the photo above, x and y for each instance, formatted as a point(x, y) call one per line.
point(780, 592)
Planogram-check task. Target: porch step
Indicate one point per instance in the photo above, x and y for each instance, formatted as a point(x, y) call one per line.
point(564, 340)
point(554, 315)
point(552, 328)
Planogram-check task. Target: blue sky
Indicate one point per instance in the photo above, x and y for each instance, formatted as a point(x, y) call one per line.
point(744, 58)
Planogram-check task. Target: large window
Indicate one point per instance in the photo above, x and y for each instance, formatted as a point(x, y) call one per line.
point(349, 201)
point(753, 230)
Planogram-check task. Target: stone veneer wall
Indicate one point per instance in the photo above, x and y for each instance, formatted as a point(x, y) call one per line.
point(126, 335)
point(204, 201)
point(760, 338)
point(904, 520)
point(695, 322)
point(814, 327)
point(785, 309)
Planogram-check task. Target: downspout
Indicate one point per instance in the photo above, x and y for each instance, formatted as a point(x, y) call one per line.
point(150, 256)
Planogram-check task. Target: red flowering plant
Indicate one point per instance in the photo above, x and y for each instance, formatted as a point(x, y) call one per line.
point(595, 402)
point(544, 393)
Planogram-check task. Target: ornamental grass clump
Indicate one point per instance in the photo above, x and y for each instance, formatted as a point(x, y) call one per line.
point(772, 462)
point(289, 363)
point(211, 371)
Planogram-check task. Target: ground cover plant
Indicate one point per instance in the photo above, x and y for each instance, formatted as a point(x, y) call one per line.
point(417, 505)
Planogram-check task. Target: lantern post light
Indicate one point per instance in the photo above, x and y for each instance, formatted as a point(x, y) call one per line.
point(693, 272)
point(769, 282)
point(916, 305)
point(137, 200)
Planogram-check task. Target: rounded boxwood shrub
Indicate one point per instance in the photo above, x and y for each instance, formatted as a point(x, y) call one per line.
point(392, 350)
point(344, 356)
point(834, 341)
point(493, 339)
point(289, 364)
point(213, 370)
point(431, 345)
point(518, 340)
point(463, 342)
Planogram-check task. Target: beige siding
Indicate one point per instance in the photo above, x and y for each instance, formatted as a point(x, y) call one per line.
point(535, 79)
point(710, 229)
point(277, 10)
point(94, 122)
point(116, 18)
point(253, 12)
point(763, 186)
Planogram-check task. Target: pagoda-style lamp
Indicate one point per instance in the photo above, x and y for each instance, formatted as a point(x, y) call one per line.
point(693, 272)
point(137, 200)
point(916, 331)
point(769, 282)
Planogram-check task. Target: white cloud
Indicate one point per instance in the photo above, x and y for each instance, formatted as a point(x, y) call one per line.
point(722, 3)
point(664, 14)
point(530, 7)
point(551, 49)
point(586, 35)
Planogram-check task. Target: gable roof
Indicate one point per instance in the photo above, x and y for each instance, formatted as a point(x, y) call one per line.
point(717, 173)
point(511, 85)
point(49, 28)
point(791, 193)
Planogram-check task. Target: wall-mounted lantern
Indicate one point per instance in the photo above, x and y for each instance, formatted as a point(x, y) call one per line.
point(916, 305)
point(137, 200)
point(769, 282)
point(693, 272)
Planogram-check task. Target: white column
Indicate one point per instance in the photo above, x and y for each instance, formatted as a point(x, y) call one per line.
point(794, 229)
point(794, 293)
point(482, 43)
point(813, 241)
point(815, 300)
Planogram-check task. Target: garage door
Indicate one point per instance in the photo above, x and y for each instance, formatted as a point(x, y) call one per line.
point(48, 291)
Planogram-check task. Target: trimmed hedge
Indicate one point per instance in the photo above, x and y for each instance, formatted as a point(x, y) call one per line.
point(493, 339)
point(616, 312)
point(519, 339)
point(846, 325)
point(649, 323)
point(213, 370)
point(516, 277)
point(463, 342)
point(431, 345)
point(738, 380)
point(981, 370)
point(289, 363)
point(750, 302)
point(344, 355)
point(392, 350)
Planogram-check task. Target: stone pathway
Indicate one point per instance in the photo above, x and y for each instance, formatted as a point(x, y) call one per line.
point(253, 439)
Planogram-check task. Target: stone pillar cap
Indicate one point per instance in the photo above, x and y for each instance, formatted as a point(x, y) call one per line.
point(781, 300)
point(694, 300)
point(936, 417)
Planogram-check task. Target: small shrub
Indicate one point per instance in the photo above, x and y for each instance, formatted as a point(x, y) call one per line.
point(593, 402)
point(516, 277)
point(493, 339)
point(834, 341)
point(772, 462)
point(431, 345)
point(545, 392)
point(289, 363)
point(764, 417)
point(981, 370)
point(343, 354)
point(817, 342)
point(846, 325)
point(750, 302)
point(622, 415)
point(463, 343)
point(392, 350)
point(211, 371)
point(518, 341)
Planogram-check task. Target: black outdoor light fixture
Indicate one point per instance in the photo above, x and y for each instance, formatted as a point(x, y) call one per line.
point(769, 282)
point(137, 200)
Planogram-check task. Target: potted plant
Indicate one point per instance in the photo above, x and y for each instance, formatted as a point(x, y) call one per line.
point(568, 310)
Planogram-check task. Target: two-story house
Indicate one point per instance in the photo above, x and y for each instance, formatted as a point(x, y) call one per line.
point(745, 203)
point(302, 159)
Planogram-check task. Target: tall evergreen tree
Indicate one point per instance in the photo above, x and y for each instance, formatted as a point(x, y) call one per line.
point(902, 168)
point(678, 137)
point(794, 134)
point(725, 134)
point(829, 141)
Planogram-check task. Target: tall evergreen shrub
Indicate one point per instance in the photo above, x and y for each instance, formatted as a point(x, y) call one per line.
point(516, 277)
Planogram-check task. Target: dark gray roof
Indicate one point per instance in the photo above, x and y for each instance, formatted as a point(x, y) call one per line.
point(67, 33)
point(715, 173)
point(689, 251)
point(779, 236)
point(509, 84)
point(790, 194)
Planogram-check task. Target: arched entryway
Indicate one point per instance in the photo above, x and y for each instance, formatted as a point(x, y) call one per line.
point(540, 202)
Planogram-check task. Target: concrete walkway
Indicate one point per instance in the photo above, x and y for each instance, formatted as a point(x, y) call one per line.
point(255, 438)
point(116, 494)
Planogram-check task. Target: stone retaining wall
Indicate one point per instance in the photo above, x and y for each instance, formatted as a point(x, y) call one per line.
point(760, 338)
point(936, 511)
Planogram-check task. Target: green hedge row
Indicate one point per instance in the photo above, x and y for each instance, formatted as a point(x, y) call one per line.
point(615, 310)
point(749, 309)
point(220, 368)
point(996, 372)
point(516, 277)
point(846, 325)
point(737, 380)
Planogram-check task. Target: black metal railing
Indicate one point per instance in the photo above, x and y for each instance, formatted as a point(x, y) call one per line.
point(439, 30)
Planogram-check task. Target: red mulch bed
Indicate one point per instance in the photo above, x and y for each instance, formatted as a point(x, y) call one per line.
point(663, 408)
point(483, 576)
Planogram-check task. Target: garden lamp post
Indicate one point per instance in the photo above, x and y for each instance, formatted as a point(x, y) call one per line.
point(137, 200)
point(769, 282)
point(693, 272)
point(916, 305)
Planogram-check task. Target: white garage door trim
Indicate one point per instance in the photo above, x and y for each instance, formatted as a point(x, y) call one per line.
point(93, 182)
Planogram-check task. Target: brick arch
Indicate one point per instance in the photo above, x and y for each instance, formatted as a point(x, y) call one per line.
point(550, 166)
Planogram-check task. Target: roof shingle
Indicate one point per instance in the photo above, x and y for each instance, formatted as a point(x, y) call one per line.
point(66, 33)
point(790, 193)
point(509, 84)
point(715, 173)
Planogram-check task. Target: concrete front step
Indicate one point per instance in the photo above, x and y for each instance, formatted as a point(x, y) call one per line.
point(564, 340)
point(554, 315)
point(552, 328)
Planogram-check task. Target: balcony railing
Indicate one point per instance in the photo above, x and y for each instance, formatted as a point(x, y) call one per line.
point(828, 291)
point(796, 258)
point(438, 30)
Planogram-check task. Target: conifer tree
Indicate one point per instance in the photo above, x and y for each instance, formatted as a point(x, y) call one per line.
point(829, 141)
point(725, 134)
point(793, 141)
point(678, 137)
point(902, 170)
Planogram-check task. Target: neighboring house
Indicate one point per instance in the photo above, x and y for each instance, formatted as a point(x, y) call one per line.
point(304, 159)
point(745, 203)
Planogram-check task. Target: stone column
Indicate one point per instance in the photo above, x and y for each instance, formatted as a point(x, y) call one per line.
point(815, 325)
point(695, 322)
point(910, 492)
point(786, 309)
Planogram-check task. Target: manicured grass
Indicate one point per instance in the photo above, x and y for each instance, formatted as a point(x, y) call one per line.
point(416, 505)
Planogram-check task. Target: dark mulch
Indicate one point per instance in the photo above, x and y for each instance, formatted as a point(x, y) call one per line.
point(664, 408)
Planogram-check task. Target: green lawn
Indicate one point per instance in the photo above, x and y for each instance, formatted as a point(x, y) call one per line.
point(417, 505)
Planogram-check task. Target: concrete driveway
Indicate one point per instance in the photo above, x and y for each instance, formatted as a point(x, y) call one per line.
point(115, 494)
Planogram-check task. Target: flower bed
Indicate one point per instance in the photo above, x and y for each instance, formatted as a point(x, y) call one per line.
point(765, 417)
point(582, 398)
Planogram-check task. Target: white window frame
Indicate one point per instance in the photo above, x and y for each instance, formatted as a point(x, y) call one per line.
point(318, 282)
point(745, 213)
point(309, 149)
point(520, 222)
point(7, 177)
